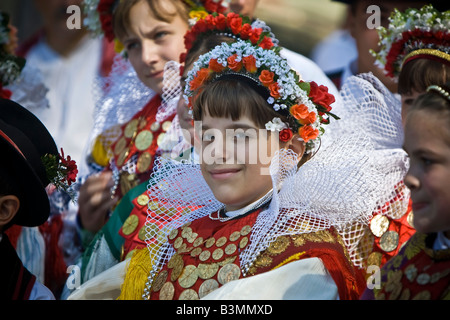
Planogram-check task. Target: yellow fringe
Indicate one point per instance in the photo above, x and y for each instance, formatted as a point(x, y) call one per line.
point(136, 275)
point(99, 153)
point(290, 259)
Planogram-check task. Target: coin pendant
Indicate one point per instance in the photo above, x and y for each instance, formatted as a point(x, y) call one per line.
point(143, 140)
point(130, 225)
point(131, 128)
point(155, 126)
point(120, 145)
point(235, 235)
point(160, 280)
point(207, 270)
point(207, 287)
point(217, 254)
point(230, 249)
point(205, 255)
point(245, 230)
point(228, 273)
point(379, 225)
point(144, 161)
point(188, 277)
point(389, 241)
point(167, 291)
point(142, 199)
point(173, 234)
point(188, 294)
point(221, 241)
point(210, 242)
point(243, 243)
point(166, 125)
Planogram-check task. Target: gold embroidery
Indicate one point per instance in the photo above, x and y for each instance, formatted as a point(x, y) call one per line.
point(278, 246)
point(263, 261)
point(298, 240)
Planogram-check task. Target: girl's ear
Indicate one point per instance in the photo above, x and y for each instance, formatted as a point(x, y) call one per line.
point(297, 145)
point(9, 205)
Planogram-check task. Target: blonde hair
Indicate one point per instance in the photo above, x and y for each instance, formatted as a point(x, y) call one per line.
point(159, 9)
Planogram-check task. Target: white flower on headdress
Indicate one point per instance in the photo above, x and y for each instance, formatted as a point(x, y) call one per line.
point(275, 125)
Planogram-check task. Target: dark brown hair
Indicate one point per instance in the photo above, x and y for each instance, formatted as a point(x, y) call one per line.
point(121, 16)
point(233, 98)
point(419, 74)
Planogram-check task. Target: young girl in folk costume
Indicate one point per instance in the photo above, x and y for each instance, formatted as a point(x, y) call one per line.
point(152, 35)
point(207, 33)
point(414, 50)
point(254, 214)
point(420, 270)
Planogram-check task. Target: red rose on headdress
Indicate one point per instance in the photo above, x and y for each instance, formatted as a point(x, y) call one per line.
point(233, 64)
point(274, 90)
point(250, 64)
point(221, 22)
point(320, 95)
point(246, 31)
point(286, 135)
point(202, 76)
point(234, 22)
point(215, 66)
point(266, 43)
point(266, 77)
point(308, 133)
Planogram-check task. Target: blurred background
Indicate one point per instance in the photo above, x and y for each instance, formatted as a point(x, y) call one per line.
point(298, 24)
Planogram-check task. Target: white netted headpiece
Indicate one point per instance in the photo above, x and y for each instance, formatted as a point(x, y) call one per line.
point(372, 109)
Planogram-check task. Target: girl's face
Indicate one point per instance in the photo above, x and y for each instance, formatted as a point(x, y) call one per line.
point(235, 157)
point(150, 43)
point(427, 142)
point(407, 101)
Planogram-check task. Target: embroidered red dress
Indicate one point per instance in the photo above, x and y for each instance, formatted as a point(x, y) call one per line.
point(418, 272)
point(207, 257)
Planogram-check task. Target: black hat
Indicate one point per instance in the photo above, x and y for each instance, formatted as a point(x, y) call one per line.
point(23, 136)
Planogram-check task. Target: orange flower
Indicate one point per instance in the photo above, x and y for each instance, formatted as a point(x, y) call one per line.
point(308, 133)
point(202, 75)
point(233, 64)
point(274, 90)
point(310, 118)
point(299, 111)
point(266, 77)
point(250, 64)
point(215, 66)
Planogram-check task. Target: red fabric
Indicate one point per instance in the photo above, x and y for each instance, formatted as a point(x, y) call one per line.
point(55, 266)
point(13, 234)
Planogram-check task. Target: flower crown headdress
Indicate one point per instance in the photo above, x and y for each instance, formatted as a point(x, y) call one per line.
point(10, 65)
point(416, 33)
point(306, 104)
point(233, 25)
point(99, 14)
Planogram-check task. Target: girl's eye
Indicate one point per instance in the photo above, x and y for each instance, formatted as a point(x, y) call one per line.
point(131, 45)
point(426, 161)
point(161, 34)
